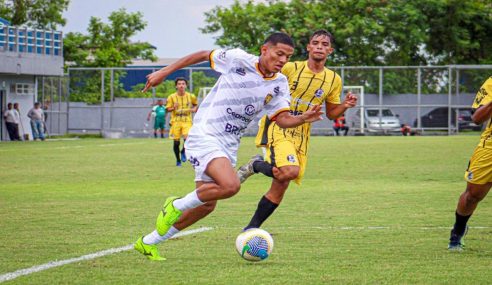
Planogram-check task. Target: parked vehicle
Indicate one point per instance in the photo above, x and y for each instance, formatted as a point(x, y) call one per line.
point(438, 118)
point(373, 122)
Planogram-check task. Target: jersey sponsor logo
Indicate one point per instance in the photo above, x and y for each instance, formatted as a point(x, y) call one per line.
point(241, 71)
point(232, 129)
point(300, 101)
point(249, 110)
point(276, 90)
point(268, 98)
point(294, 85)
point(222, 55)
point(319, 93)
point(291, 158)
point(481, 94)
point(296, 113)
point(239, 116)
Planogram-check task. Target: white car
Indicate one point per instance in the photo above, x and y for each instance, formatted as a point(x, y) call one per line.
point(374, 122)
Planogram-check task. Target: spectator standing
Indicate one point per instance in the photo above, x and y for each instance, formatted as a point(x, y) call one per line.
point(36, 115)
point(12, 120)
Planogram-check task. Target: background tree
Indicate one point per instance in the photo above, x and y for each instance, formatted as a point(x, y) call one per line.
point(39, 14)
point(369, 32)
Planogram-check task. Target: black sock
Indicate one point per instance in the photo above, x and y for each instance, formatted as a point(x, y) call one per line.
point(460, 223)
point(183, 149)
point(155, 135)
point(263, 167)
point(176, 150)
point(264, 210)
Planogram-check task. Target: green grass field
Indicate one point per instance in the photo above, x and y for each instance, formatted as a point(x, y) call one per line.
point(371, 210)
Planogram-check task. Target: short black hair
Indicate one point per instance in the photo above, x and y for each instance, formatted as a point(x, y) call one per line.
point(281, 38)
point(323, 33)
point(180, 79)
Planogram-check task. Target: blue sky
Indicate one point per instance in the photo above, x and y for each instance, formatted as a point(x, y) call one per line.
point(172, 25)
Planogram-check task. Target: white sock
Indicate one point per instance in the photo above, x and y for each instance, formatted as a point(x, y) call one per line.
point(155, 238)
point(189, 201)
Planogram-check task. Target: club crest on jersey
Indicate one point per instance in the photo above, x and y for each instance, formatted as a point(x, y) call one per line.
point(241, 71)
point(319, 93)
point(222, 55)
point(291, 158)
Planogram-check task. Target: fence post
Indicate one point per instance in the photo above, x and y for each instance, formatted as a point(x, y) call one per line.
point(450, 87)
point(111, 88)
point(102, 101)
point(419, 97)
point(190, 71)
point(380, 113)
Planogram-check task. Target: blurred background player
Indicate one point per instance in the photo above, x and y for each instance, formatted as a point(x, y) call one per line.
point(159, 114)
point(311, 83)
point(181, 104)
point(219, 124)
point(340, 124)
point(479, 172)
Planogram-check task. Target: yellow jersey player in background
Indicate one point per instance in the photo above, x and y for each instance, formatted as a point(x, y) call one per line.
point(311, 83)
point(181, 105)
point(479, 172)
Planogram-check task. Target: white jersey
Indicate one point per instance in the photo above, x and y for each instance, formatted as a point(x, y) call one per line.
point(240, 93)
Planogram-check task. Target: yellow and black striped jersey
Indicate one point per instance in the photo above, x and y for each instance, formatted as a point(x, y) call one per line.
point(185, 103)
point(484, 97)
point(308, 88)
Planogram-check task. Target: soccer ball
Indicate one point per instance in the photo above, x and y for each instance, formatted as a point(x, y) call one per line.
point(254, 244)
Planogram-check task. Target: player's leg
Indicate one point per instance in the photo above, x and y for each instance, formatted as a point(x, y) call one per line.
point(188, 218)
point(467, 204)
point(336, 129)
point(223, 184)
point(479, 181)
point(184, 132)
point(346, 129)
point(268, 203)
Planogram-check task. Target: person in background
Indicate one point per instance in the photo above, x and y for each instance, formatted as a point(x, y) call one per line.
point(36, 115)
point(12, 120)
point(340, 124)
point(159, 114)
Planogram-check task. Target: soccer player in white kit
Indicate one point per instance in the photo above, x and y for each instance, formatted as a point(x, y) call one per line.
point(248, 84)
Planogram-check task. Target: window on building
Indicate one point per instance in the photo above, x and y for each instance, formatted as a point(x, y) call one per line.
point(24, 88)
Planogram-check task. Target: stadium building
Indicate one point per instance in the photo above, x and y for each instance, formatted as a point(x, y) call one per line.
point(25, 56)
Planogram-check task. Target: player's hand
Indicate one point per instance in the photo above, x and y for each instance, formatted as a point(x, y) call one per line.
point(350, 100)
point(176, 106)
point(154, 79)
point(313, 114)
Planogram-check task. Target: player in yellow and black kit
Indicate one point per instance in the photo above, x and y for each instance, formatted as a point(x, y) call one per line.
point(181, 105)
point(311, 83)
point(479, 172)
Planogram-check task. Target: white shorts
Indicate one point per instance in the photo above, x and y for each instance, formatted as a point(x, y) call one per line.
point(201, 157)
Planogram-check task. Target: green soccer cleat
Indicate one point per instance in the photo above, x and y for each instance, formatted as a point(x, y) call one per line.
point(167, 217)
point(149, 250)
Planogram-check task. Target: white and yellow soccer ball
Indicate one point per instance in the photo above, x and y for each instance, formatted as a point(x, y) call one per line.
point(254, 244)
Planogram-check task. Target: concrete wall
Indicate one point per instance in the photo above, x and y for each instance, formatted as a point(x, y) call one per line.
point(29, 63)
point(26, 102)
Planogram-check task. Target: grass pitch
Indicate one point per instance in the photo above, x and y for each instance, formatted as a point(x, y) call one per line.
point(370, 210)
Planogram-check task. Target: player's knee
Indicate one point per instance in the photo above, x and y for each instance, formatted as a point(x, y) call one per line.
point(473, 197)
point(209, 207)
point(288, 173)
point(231, 188)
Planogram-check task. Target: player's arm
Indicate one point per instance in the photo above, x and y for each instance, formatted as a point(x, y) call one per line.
point(334, 111)
point(157, 77)
point(482, 113)
point(286, 120)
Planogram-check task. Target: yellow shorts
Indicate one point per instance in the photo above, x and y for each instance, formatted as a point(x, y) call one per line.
point(179, 129)
point(480, 166)
point(281, 149)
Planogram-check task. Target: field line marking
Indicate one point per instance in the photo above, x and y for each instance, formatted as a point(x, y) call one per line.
point(52, 264)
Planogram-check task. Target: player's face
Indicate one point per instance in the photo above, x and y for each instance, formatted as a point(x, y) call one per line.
point(274, 57)
point(181, 86)
point(160, 102)
point(319, 48)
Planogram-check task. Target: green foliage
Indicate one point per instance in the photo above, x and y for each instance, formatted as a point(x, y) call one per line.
point(39, 14)
point(108, 44)
point(367, 32)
